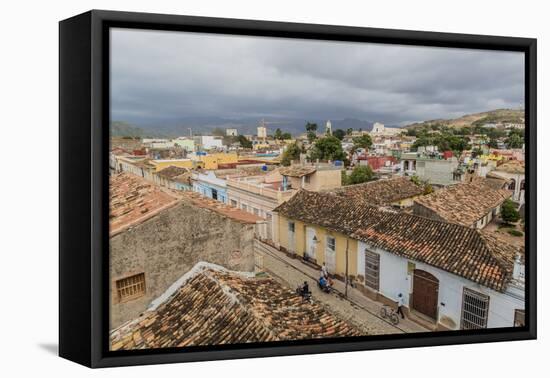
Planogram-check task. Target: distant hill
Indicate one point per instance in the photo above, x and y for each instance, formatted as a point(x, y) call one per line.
point(477, 119)
point(124, 129)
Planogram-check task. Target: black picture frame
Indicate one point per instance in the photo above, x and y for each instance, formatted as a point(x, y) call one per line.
point(83, 196)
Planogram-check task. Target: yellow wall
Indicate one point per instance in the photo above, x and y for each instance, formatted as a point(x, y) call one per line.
point(211, 161)
point(321, 233)
point(160, 165)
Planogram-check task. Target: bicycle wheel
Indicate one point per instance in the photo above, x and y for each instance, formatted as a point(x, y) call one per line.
point(394, 319)
point(383, 312)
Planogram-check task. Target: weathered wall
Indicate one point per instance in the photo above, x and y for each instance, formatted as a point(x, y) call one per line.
point(168, 245)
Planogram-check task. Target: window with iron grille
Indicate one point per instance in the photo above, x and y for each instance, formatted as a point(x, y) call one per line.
point(331, 243)
point(372, 269)
point(131, 287)
point(290, 226)
point(475, 309)
point(519, 318)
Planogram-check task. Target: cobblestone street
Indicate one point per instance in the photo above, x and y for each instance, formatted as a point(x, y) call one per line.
point(357, 309)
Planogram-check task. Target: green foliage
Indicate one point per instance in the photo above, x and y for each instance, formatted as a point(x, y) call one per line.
point(444, 142)
point(291, 153)
point(278, 134)
point(360, 174)
point(349, 131)
point(515, 232)
point(363, 141)
point(311, 130)
point(218, 131)
point(245, 143)
point(477, 152)
point(515, 139)
point(428, 188)
point(493, 143)
point(339, 133)
point(508, 212)
point(327, 148)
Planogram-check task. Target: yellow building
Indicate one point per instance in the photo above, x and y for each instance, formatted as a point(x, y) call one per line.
point(211, 161)
point(321, 230)
point(180, 163)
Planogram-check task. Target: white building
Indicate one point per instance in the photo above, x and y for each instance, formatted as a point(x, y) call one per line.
point(328, 128)
point(262, 132)
point(231, 132)
point(208, 142)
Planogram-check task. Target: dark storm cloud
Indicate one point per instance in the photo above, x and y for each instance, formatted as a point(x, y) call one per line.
point(167, 75)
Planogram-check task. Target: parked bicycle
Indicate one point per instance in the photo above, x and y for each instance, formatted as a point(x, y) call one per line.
point(387, 312)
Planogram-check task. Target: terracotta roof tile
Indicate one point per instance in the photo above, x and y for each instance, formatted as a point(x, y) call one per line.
point(454, 248)
point(218, 307)
point(381, 192)
point(464, 203)
point(132, 200)
point(172, 172)
point(297, 170)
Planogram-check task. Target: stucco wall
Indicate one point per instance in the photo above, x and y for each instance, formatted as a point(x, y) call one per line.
point(168, 245)
point(394, 279)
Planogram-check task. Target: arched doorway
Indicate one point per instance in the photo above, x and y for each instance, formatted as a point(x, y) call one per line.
point(425, 293)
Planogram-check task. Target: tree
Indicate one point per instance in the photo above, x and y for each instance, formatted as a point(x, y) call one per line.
point(245, 143)
point(278, 134)
point(218, 131)
point(349, 131)
point(508, 212)
point(360, 174)
point(291, 153)
point(363, 141)
point(286, 136)
point(327, 148)
point(477, 152)
point(339, 133)
point(493, 143)
point(515, 139)
point(311, 130)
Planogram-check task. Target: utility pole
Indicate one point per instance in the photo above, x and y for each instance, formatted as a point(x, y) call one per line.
point(347, 258)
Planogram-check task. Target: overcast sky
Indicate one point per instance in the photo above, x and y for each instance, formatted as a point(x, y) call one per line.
point(169, 75)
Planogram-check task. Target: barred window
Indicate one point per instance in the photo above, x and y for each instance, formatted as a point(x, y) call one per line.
point(475, 309)
point(131, 287)
point(290, 226)
point(372, 269)
point(331, 243)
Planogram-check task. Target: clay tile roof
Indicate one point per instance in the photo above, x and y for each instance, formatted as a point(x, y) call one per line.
point(172, 172)
point(464, 203)
point(297, 170)
point(512, 166)
point(221, 208)
point(134, 200)
point(457, 249)
point(381, 192)
point(219, 307)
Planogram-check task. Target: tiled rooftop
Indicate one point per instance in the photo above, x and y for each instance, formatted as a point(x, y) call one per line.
point(172, 172)
point(221, 208)
point(512, 166)
point(216, 307)
point(133, 200)
point(297, 170)
point(457, 249)
point(381, 192)
point(464, 203)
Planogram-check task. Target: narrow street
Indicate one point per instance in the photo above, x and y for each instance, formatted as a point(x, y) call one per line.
point(356, 308)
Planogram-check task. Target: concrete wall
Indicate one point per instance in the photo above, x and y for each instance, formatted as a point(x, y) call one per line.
point(168, 245)
point(439, 172)
point(395, 279)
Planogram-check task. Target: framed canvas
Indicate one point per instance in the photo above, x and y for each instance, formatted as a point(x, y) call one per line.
point(235, 188)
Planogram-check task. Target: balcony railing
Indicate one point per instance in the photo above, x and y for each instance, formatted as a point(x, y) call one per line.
point(256, 188)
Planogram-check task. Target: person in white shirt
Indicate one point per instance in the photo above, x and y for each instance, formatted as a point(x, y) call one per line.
point(324, 271)
point(400, 304)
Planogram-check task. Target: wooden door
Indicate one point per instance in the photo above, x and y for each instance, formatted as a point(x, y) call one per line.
point(425, 293)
